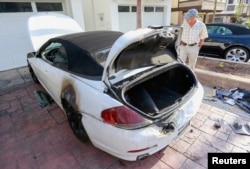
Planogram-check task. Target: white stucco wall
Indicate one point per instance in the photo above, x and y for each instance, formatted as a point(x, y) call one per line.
point(77, 12)
point(97, 14)
point(103, 14)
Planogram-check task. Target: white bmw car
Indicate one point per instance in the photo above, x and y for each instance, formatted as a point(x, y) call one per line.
point(128, 94)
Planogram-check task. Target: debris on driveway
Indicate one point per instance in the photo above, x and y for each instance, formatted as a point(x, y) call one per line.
point(43, 98)
point(238, 127)
point(241, 129)
point(219, 124)
point(236, 96)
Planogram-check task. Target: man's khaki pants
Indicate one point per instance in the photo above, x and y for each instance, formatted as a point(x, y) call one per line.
point(190, 52)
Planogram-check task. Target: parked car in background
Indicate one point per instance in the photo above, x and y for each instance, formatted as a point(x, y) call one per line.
point(127, 93)
point(227, 41)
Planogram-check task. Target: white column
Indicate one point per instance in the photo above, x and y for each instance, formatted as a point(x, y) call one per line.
point(77, 12)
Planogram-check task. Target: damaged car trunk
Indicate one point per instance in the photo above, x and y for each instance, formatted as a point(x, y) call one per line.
point(157, 83)
point(156, 95)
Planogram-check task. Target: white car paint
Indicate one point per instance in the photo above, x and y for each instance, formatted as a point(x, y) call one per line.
point(118, 141)
point(91, 100)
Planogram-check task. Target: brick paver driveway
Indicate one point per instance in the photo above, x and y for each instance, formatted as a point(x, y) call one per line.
point(40, 138)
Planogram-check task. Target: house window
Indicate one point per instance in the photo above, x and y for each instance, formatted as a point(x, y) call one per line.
point(159, 9)
point(231, 8)
point(44, 7)
point(148, 9)
point(218, 20)
point(230, 1)
point(123, 8)
point(134, 9)
point(6, 7)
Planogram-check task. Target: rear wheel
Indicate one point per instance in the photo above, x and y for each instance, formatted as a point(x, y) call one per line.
point(75, 122)
point(237, 54)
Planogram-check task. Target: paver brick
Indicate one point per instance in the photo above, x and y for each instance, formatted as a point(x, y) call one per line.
point(4, 106)
point(196, 123)
point(63, 161)
point(180, 145)
point(238, 150)
point(198, 152)
point(241, 141)
point(35, 137)
point(190, 164)
point(171, 157)
point(201, 117)
point(191, 134)
point(221, 135)
point(216, 143)
point(58, 115)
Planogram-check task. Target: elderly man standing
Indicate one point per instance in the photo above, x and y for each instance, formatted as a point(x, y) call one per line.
point(192, 38)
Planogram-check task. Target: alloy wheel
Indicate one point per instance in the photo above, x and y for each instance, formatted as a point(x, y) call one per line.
point(237, 54)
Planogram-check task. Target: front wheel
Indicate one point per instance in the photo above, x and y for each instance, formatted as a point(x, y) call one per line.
point(75, 122)
point(237, 54)
point(33, 75)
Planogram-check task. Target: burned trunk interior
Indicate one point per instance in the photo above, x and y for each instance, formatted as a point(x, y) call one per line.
point(161, 91)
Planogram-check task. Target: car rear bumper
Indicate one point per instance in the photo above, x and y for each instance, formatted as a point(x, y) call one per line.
point(139, 143)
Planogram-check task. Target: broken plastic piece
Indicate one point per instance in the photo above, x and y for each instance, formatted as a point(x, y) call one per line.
point(237, 126)
point(241, 129)
point(223, 92)
point(243, 104)
point(237, 95)
point(230, 101)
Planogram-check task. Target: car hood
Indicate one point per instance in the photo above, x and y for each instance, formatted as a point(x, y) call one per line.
point(137, 50)
point(42, 27)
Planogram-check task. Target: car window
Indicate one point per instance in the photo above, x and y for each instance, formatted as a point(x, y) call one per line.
point(221, 30)
point(82, 62)
point(56, 54)
point(211, 29)
point(218, 30)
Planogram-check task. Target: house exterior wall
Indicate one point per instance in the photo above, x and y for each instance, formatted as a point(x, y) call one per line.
point(224, 12)
point(103, 14)
point(90, 15)
point(77, 12)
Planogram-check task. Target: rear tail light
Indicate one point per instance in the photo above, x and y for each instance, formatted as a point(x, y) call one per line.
point(124, 117)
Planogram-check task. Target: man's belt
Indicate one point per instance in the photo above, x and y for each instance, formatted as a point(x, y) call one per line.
point(184, 44)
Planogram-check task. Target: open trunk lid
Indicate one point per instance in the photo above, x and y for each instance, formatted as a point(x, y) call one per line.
point(140, 49)
point(42, 27)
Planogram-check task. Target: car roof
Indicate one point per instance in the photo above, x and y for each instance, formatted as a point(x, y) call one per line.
point(237, 29)
point(82, 47)
point(91, 41)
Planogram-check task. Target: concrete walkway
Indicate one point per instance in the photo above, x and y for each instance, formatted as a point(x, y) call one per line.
point(14, 76)
point(40, 138)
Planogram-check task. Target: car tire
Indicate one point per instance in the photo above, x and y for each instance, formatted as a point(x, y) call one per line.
point(33, 75)
point(237, 54)
point(75, 122)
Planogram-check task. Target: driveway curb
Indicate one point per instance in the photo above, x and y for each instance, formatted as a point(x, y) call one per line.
point(213, 79)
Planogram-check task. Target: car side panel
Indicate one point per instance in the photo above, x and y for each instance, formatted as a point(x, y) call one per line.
point(50, 77)
point(216, 45)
